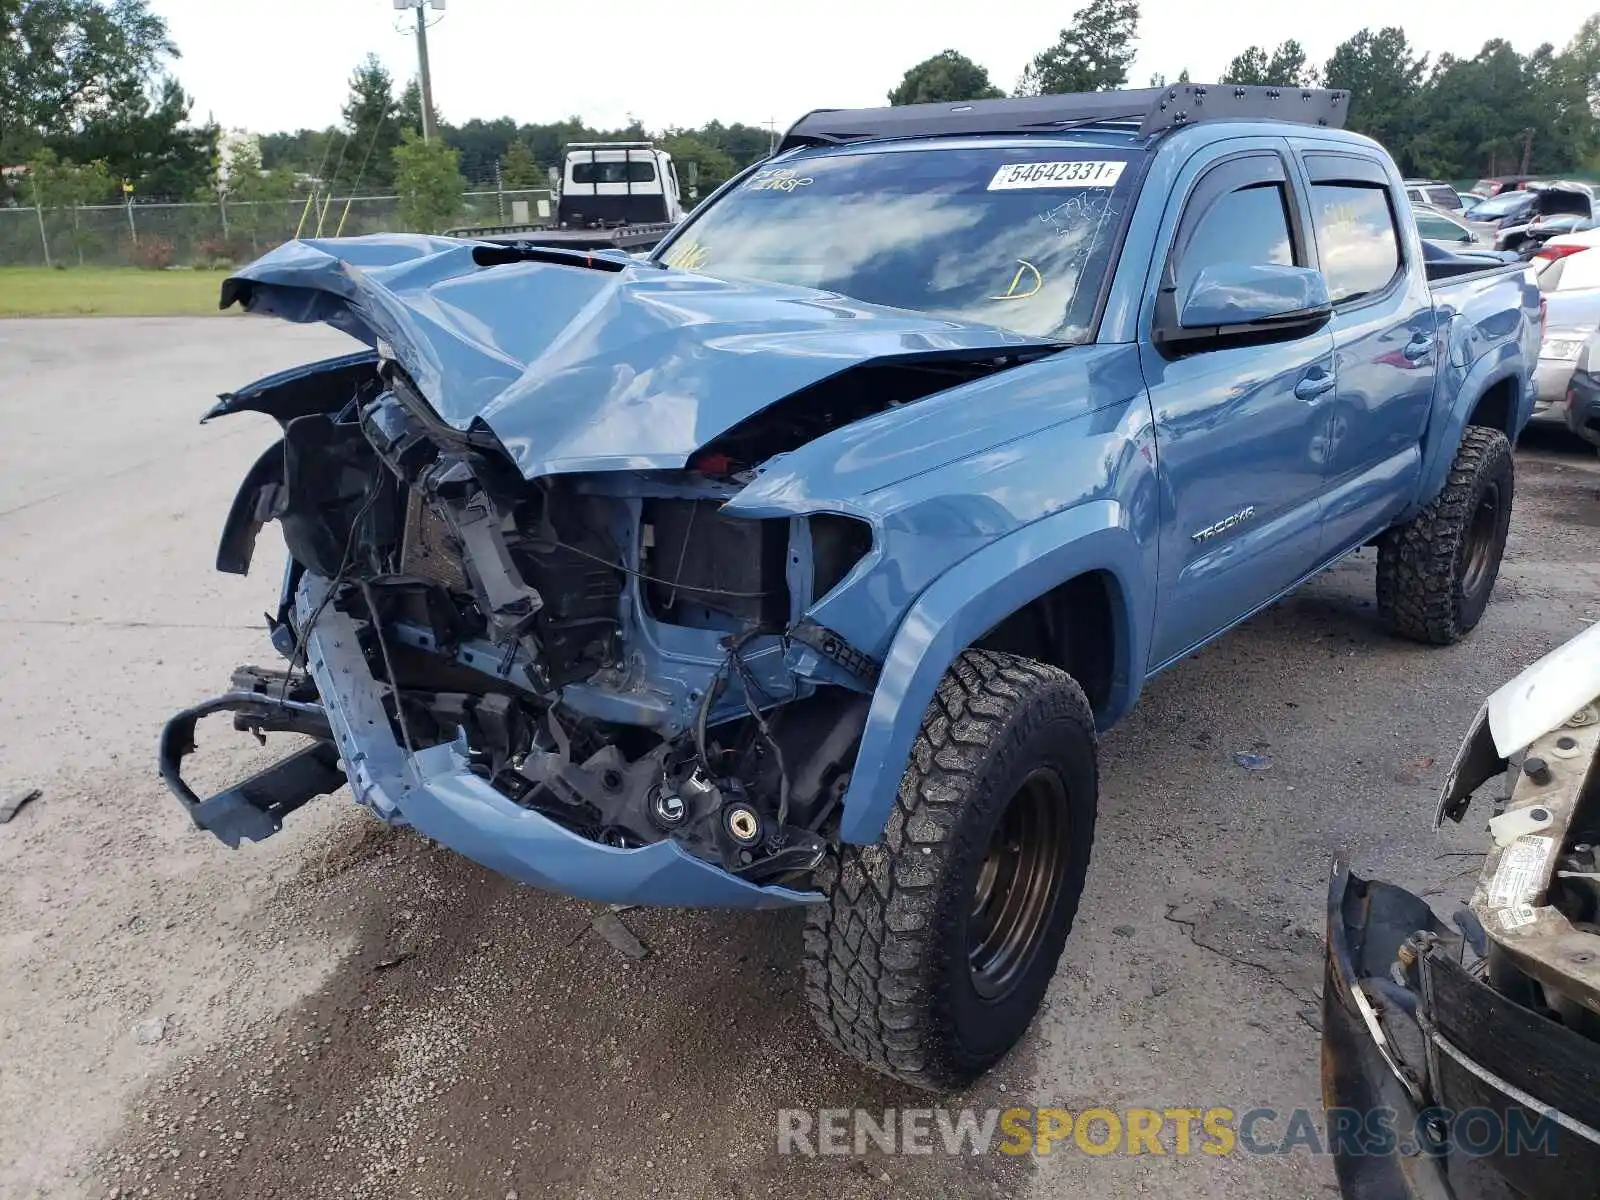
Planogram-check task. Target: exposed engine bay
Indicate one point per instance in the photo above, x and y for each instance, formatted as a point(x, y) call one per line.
point(615, 653)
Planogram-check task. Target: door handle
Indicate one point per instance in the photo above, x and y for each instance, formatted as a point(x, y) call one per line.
point(1313, 386)
point(1418, 348)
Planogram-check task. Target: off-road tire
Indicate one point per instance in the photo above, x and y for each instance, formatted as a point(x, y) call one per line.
point(888, 975)
point(1426, 591)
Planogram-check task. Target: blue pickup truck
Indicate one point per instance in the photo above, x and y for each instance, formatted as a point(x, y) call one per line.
point(800, 562)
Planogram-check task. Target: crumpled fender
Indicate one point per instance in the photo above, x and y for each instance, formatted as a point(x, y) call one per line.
point(966, 602)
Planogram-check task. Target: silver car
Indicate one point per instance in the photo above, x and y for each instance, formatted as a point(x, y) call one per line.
point(1571, 345)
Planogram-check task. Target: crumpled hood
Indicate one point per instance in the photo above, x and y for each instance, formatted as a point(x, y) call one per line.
point(577, 369)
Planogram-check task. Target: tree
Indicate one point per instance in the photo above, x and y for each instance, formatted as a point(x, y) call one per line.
point(744, 144)
point(62, 188)
point(1580, 61)
point(372, 121)
point(1091, 55)
point(481, 144)
point(702, 169)
point(1384, 78)
point(143, 136)
point(1286, 67)
point(410, 114)
point(256, 198)
point(64, 63)
point(519, 169)
point(428, 178)
point(1480, 114)
point(948, 75)
point(1250, 66)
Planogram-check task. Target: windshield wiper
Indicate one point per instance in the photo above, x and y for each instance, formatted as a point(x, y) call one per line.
point(499, 256)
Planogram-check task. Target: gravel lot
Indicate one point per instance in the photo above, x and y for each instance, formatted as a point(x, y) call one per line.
point(350, 1011)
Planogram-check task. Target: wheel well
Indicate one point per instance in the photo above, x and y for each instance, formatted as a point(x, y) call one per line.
point(1496, 407)
point(1072, 626)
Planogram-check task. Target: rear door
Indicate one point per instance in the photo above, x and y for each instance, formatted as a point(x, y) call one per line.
point(1384, 333)
point(1237, 427)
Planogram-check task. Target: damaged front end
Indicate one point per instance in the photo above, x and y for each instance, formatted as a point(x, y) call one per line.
point(1460, 1060)
point(544, 643)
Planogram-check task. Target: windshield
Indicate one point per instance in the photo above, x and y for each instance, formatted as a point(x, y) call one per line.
point(1017, 238)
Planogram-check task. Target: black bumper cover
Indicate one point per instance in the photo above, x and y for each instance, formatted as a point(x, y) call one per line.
point(1440, 1052)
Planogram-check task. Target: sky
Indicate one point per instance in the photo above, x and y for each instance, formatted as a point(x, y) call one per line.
point(285, 64)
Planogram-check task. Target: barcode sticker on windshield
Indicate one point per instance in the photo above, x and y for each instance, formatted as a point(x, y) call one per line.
point(1057, 175)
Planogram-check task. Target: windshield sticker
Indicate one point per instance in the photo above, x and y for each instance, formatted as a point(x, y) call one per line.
point(688, 256)
point(1025, 284)
point(1057, 174)
point(783, 180)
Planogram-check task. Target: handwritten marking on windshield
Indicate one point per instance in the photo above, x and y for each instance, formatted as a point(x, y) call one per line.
point(1076, 209)
point(688, 256)
point(782, 180)
point(1024, 268)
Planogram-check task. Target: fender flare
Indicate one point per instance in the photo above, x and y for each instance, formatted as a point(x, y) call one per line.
point(1493, 368)
point(967, 601)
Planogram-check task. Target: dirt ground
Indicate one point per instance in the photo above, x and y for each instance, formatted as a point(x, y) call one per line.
point(349, 1011)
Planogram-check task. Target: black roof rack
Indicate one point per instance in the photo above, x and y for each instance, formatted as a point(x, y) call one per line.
point(1146, 111)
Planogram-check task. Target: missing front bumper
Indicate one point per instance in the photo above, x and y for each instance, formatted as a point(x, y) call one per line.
point(254, 809)
point(435, 792)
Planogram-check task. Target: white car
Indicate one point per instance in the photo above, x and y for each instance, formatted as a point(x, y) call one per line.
point(1567, 378)
point(1568, 244)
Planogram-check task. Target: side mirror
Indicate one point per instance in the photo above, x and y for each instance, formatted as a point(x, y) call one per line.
point(1227, 300)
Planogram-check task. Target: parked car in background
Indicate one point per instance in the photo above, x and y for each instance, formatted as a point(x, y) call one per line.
point(1486, 215)
point(1497, 184)
point(1567, 379)
point(1439, 225)
point(1435, 193)
point(1508, 219)
point(1543, 230)
point(1567, 244)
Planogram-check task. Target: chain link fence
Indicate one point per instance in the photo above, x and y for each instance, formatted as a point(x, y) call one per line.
point(157, 235)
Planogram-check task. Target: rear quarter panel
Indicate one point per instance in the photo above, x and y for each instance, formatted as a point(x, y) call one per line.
point(1490, 328)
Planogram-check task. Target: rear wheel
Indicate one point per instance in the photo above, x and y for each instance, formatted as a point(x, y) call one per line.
point(935, 946)
point(1436, 572)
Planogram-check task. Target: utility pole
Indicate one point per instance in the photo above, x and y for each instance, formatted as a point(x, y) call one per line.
point(424, 76)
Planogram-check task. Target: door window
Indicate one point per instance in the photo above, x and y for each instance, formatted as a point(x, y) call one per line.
point(1356, 236)
point(1248, 225)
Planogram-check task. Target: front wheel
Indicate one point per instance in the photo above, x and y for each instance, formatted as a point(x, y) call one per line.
point(935, 946)
point(1435, 572)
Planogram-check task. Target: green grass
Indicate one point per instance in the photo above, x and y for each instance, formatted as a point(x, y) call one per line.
point(108, 292)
